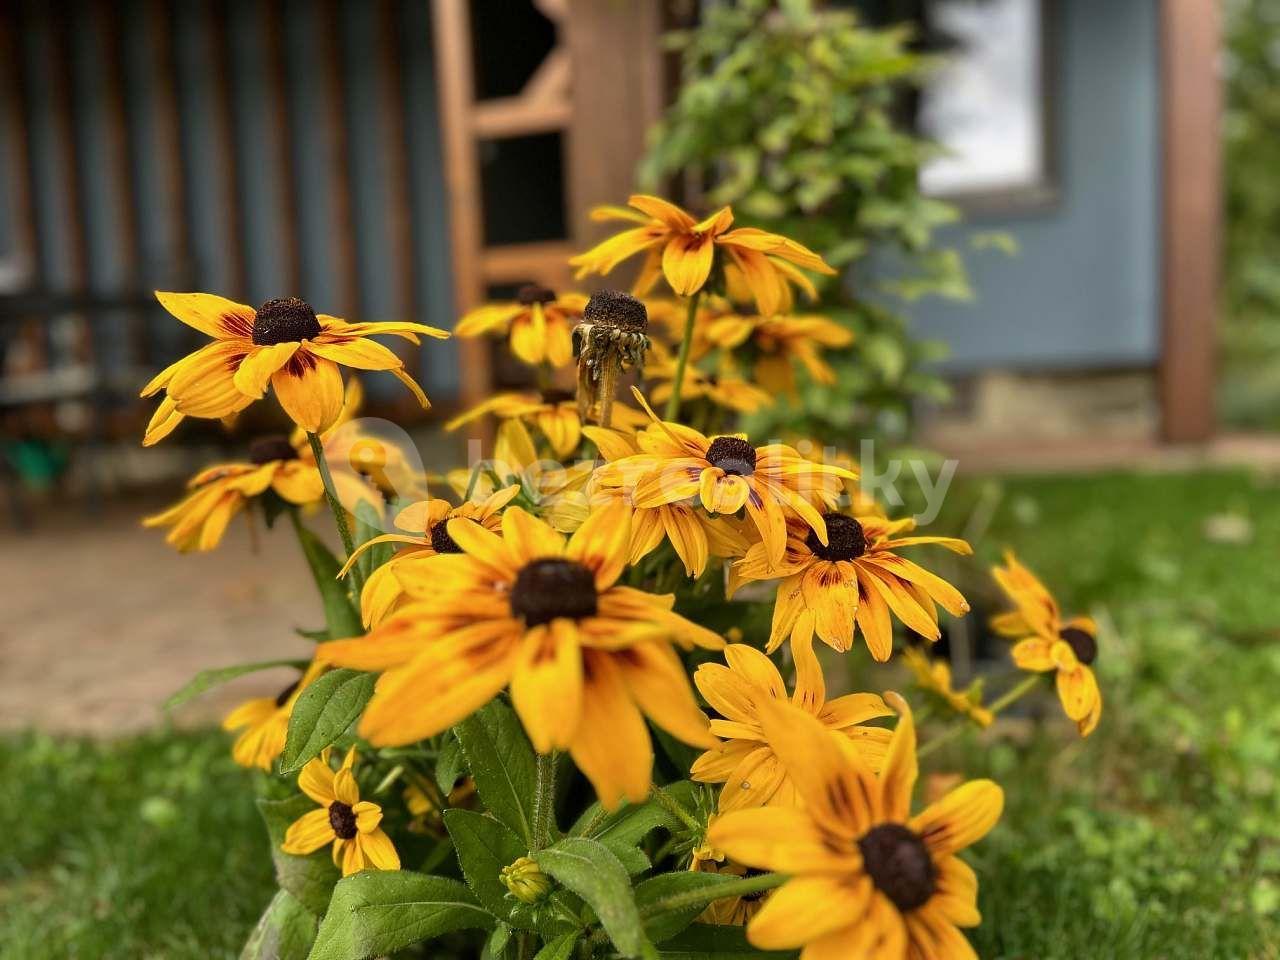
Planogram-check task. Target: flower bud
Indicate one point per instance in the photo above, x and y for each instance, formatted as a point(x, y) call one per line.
point(525, 881)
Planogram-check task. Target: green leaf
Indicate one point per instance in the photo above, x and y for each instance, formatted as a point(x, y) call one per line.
point(631, 857)
point(501, 763)
point(663, 924)
point(208, 679)
point(340, 617)
point(633, 822)
point(378, 912)
point(484, 846)
point(322, 713)
point(707, 942)
point(285, 931)
point(495, 948)
point(560, 948)
point(593, 872)
point(310, 879)
point(450, 764)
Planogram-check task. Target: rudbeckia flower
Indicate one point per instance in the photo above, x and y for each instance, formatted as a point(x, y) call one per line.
point(427, 522)
point(854, 579)
point(727, 911)
point(934, 676)
point(1047, 642)
point(726, 474)
point(724, 389)
point(782, 342)
point(284, 344)
point(199, 521)
point(352, 825)
point(553, 412)
point(263, 723)
point(539, 321)
point(744, 761)
point(694, 536)
point(867, 878)
point(585, 658)
point(684, 250)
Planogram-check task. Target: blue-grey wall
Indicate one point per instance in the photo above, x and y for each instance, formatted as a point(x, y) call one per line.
point(1083, 290)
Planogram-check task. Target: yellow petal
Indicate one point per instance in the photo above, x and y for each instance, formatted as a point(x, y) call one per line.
point(256, 369)
point(611, 745)
point(785, 839)
point(308, 833)
point(961, 818)
point(602, 543)
point(216, 316)
point(310, 391)
point(808, 907)
point(546, 685)
point(656, 679)
point(316, 781)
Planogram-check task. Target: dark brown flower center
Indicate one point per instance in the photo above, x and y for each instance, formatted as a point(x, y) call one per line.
point(286, 693)
point(845, 539)
point(899, 865)
point(621, 311)
point(554, 396)
point(551, 588)
point(441, 542)
point(275, 447)
point(532, 293)
point(1082, 643)
point(343, 819)
point(733, 455)
point(283, 321)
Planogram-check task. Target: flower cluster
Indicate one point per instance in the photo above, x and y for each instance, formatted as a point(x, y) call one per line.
point(554, 681)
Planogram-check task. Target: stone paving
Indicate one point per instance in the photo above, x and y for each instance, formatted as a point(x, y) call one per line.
point(100, 620)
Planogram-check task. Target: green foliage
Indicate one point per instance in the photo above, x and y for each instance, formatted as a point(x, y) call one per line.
point(208, 679)
point(794, 116)
point(323, 712)
point(285, 931)
point(501, 763)
point(341, 617)
point(484, 846)
point(309, 879)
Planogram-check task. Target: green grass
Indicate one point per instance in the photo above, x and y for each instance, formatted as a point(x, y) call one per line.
point(1157, 837)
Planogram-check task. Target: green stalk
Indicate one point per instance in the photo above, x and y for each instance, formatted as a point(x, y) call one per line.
point(331, 494)
point(1010, 697)
point(677, 385)
point(544, 801)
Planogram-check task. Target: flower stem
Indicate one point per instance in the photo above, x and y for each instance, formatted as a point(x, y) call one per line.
point(544, 801)
point(331, 494)
point(673, 403)
point(1010, 697)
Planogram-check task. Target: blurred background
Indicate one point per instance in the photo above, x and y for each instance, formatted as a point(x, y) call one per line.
point(1058, 223)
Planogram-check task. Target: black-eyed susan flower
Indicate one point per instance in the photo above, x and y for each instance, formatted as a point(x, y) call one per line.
point(781, 343)
point(724, 389)
point(611, 338)
point(727, 911)
point(693, 535)
point(263, 723)
point(684, 251)
point(283, 344)
point(744, 761)
point(351, 825)
point(552, 411)
point(538, 320)
point(868, 879)
point(725, 474)
point(218, 493)
point(853, 581)
point(1045, 641)
point(934, 676)
point(585, 658)
point(427, 524)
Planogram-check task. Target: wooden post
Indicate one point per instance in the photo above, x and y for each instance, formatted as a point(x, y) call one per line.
point(1192, 207)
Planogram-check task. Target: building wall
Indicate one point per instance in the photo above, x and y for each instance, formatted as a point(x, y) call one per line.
point(1083, 290)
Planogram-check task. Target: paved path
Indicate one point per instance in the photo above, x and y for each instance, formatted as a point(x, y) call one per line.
point(100, 621)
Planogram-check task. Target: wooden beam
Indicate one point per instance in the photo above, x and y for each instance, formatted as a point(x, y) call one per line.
point(180, 270)
point(280, 133)
point(546, 263)
point(1192, 207)
point(618, 92)
point(15, 121)
point(231, 184)
point(342, 229)
point(394, 155)
point(451, 25)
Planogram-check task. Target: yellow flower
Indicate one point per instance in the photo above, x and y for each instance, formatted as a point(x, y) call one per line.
point(1047, 642)
point(724, 389)
point(728, 911)
point(934, 676)
point(726, 474)
point(744, 761)
point(284, 344)
point(554, 412)
point(540, 323)
point(867, 878)
point(782, 342)
point(198, 521)
point(683, 250)
point(352, 825)
point(694, 536)
point(264, 723)
point(525, 880)
point(586, 659)
point(853, 580)
point(427, 519)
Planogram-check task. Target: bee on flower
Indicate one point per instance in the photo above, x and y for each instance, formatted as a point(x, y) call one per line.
point(285, 345)
point(539, 322)
point(684, 251)
point(866, 877)
point(1048, 643)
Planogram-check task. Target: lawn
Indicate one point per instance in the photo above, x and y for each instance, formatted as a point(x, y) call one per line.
point(1157, 837)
